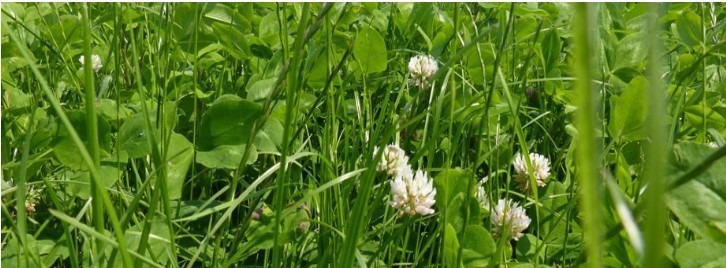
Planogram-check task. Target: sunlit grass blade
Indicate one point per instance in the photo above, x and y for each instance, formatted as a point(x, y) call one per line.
point(587, 154)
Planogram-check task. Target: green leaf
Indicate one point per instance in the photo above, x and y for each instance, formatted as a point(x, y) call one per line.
point(629, 110)
point(699, 203)
point(259, 90)
point(688, 26)
point(234, 42)
point(133, 136)
point(478, 246)
point(701, 254)
point(554, 199)
point(228, 121)
point(159, 247)
point(715, 117)
point(450, 183)
point(524, 9)
point(551, 47)
point(110, 111)
point(631, 52)
point(48, 250)
point(370, 51)
point(179, 155)
point(451, 246)
point(527, 247)
point(65, 149)
point(225, 156)
point(81, 187)
point(269, 138)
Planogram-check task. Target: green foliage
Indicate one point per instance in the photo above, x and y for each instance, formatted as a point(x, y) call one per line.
point(370, 52)
point(211, 98)
point(701, 253)
point(228, 121)
point(698, 203)
point(629, 111)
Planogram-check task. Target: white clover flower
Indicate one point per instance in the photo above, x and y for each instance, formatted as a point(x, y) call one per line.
point(95, 62)
point(393, 161)
point(540, 167)
point(413, 193)
point(508, 214)
point(481, 194)
point(421, 68)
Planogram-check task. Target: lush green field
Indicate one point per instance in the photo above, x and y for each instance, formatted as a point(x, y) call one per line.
point(371, 135)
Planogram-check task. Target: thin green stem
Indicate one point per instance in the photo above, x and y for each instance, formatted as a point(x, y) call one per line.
point(92, 129)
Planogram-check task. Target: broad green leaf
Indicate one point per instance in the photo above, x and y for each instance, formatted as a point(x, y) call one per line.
point(527, 247)
point(49, 251)
point(225, 156)
point(629, 110)
point(110, 111)
point(259, 90)
point(451, 246)
point(133, 136)
point(688, 26)
point(554, 198)
point(179, 155)
point(65, 149)
point(631, 51)
point(81, 186)
point(450, 183)
point(478, 246)
point(228, 121)
point(370, 51)
point(715, 117)
point(159, 246)
point(701, 254)
point(523, 9)
point(269, 138)
point(269, 29)
point(15, 98)
point(700, 203)
point(474, 63)
point(234, 42)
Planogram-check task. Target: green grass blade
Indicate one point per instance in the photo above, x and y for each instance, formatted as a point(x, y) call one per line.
point(587, 159)
point(656, 150)
point(91, 231)
point(92, 132)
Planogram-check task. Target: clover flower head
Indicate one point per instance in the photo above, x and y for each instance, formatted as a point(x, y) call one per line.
point(393, 161)
point(413, 193)
point(32, 198)
point(508, 214)
point(95, 62)
point(540, 167)
point(421, 68)
point(481, 194)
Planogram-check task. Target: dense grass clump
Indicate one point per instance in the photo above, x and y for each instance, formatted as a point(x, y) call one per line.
point(363, 134)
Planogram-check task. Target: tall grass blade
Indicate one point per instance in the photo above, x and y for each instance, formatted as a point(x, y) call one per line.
point(587, 160)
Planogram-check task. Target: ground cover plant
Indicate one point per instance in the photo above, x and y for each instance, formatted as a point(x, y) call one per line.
point(363, 135)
